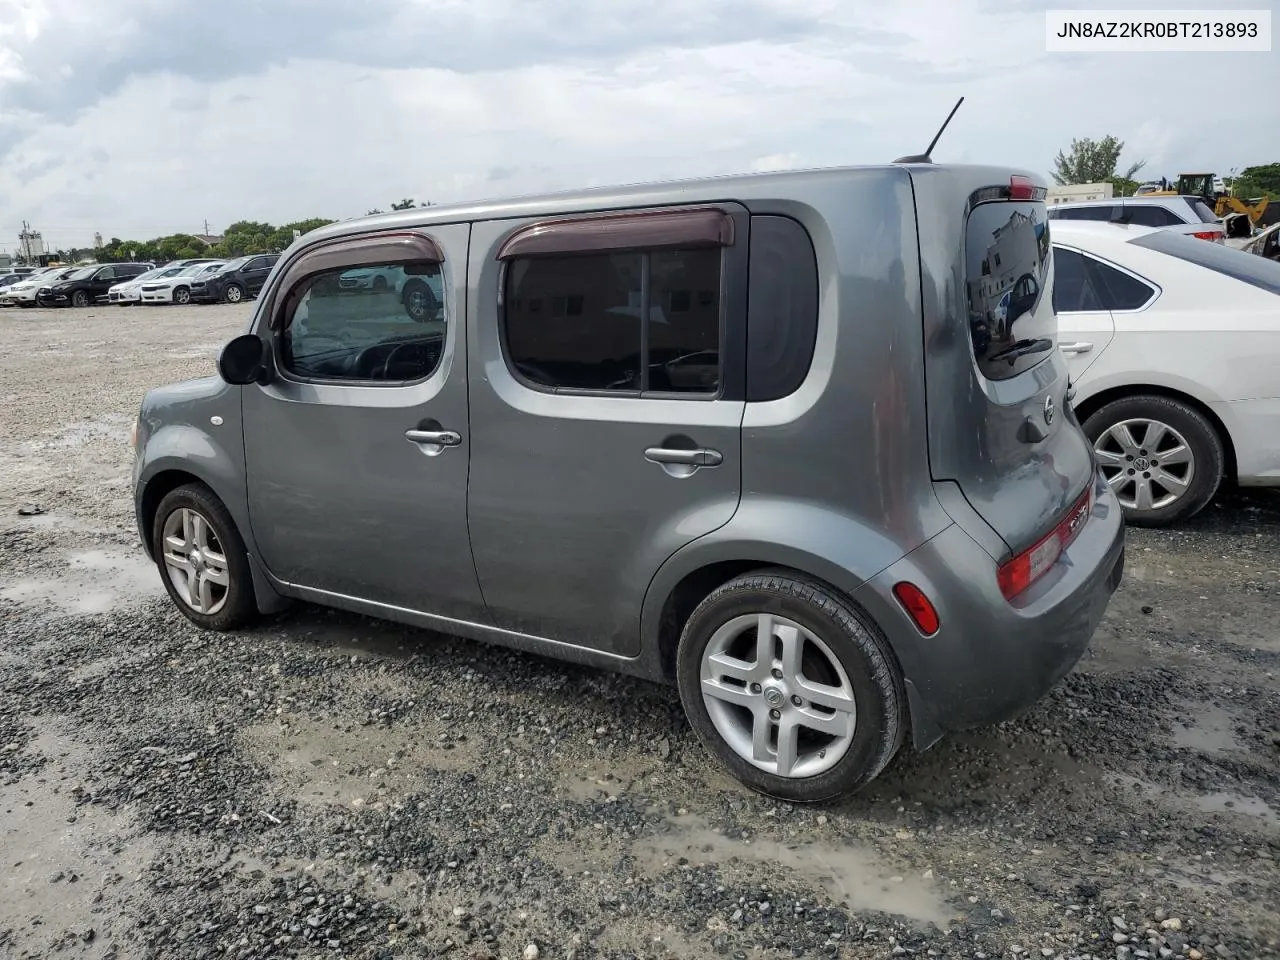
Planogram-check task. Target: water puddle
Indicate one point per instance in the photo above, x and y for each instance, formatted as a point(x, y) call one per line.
point(360, 766)
point(1210, 732)
point(95, 581)
point(849, 874)
point(67, 869)
point(1222, 803)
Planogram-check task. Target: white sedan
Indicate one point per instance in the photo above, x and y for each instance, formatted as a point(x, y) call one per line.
point(23, 293)
point(177, 287)
point(1174, 350)
point(128, 292)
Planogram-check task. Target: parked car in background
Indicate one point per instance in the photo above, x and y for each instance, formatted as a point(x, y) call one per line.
point(1265, 243)
point(421, 296)
point(235, 280)
point(1179, 214)
point(598, 432)
point(88, 285)
point(128, 292)
point(1174, 348)
point(23, 292)
point(176, 288)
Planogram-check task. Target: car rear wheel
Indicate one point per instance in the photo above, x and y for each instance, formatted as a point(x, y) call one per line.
point(791, 687)
point(1163, 458)
point(80, 298)
point(202, 559)
point(234, 293)
point(182, 295)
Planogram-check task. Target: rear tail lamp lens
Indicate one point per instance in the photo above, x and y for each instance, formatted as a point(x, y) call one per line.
point(918, 607)
point(1207, 235)
point(1019, 573)
point(1020, 188)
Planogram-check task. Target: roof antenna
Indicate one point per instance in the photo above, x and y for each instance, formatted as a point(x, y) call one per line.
point(924, 157)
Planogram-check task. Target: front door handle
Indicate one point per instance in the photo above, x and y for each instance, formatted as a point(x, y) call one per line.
point(445, 438)
point(1080, 346)
point(700, 457)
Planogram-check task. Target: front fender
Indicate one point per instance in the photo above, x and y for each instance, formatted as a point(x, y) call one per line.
point(841, 550)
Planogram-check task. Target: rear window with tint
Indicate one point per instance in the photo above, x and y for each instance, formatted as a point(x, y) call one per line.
point(1075, 212)
point(1011, 321)
point(1246, 267)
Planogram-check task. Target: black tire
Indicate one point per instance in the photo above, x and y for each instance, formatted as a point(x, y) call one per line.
point(419, 300)
point(880, 697)
point(235, 297)
point(182, 296)
point(379, 284)
point(80, 299)
point(239, 608)
point(1202, 438)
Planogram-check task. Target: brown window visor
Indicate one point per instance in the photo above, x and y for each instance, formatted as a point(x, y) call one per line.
point(647, 230)
point(348, 254)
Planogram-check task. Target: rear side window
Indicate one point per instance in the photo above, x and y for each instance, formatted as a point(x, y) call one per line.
point(1203, 211)
point(1011, 321)
point(1119, 290)
point(578, 321)
point(1246, 267)
point(782, 311)
point(1073, 289)
point(1074, 212)
point(1150, 216)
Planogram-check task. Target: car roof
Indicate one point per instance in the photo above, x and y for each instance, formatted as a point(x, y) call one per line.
point(736, 186)
point(1096, 231)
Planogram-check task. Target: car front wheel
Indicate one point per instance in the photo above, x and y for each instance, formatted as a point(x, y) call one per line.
point(202, 559)
point(182, 295)
point(791, 687)
point(234, 293)
point(80, 298)
point(1162, 457)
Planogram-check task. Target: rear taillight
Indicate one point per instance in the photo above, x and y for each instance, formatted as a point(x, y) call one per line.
point(1207, 235)
point(1019, 573)
point(1020, 188)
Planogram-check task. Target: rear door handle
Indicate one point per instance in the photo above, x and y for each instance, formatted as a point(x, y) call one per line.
point(443, 438)
point(1080, 346)
point(701, 457)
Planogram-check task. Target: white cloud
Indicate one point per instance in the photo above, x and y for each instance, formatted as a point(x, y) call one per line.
point(166, 120)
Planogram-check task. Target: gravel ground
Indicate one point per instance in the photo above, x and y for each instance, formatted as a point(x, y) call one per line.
point(328, 785)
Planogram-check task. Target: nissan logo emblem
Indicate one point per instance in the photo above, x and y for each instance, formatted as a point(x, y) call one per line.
point(1048, 410)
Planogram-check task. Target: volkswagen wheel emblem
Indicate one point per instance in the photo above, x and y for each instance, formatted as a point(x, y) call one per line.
point(1048, 410)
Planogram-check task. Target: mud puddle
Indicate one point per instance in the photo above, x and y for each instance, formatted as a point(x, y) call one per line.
point(68, 870)
point(95, 581)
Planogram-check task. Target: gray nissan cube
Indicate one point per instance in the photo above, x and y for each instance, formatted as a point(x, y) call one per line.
point(800, 444)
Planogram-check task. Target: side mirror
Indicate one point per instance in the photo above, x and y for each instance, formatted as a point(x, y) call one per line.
point(245, 359)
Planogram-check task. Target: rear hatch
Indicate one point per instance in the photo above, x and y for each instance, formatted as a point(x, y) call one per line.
point(999, 426)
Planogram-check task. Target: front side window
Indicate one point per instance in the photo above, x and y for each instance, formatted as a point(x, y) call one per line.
point(631, 321)
point(374, 322)
point(106, 273)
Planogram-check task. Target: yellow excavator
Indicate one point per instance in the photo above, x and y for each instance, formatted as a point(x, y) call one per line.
point(1203, 185)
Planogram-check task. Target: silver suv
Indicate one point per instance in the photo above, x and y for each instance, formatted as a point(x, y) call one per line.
point(749, 436)
point(1179, 214)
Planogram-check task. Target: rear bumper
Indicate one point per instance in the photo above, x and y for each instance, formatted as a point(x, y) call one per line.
point(1254, 426)
point(991, 659)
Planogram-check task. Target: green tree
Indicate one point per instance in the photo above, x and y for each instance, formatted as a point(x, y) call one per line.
point(1257, 181)
point(373, 212)
point(1093, 161)
point(407, 203)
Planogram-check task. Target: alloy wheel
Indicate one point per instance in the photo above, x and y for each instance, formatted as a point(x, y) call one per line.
point(777, 695)
point(195, 561)
point(1149, 464)
point(234, 294)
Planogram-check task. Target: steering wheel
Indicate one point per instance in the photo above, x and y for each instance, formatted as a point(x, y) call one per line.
point(362, 361)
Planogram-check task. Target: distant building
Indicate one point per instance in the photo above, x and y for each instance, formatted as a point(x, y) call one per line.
point(30, 244)
point(1077, 192)
point(207, 239)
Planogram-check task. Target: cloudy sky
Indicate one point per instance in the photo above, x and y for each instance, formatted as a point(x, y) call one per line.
point(145, 117)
